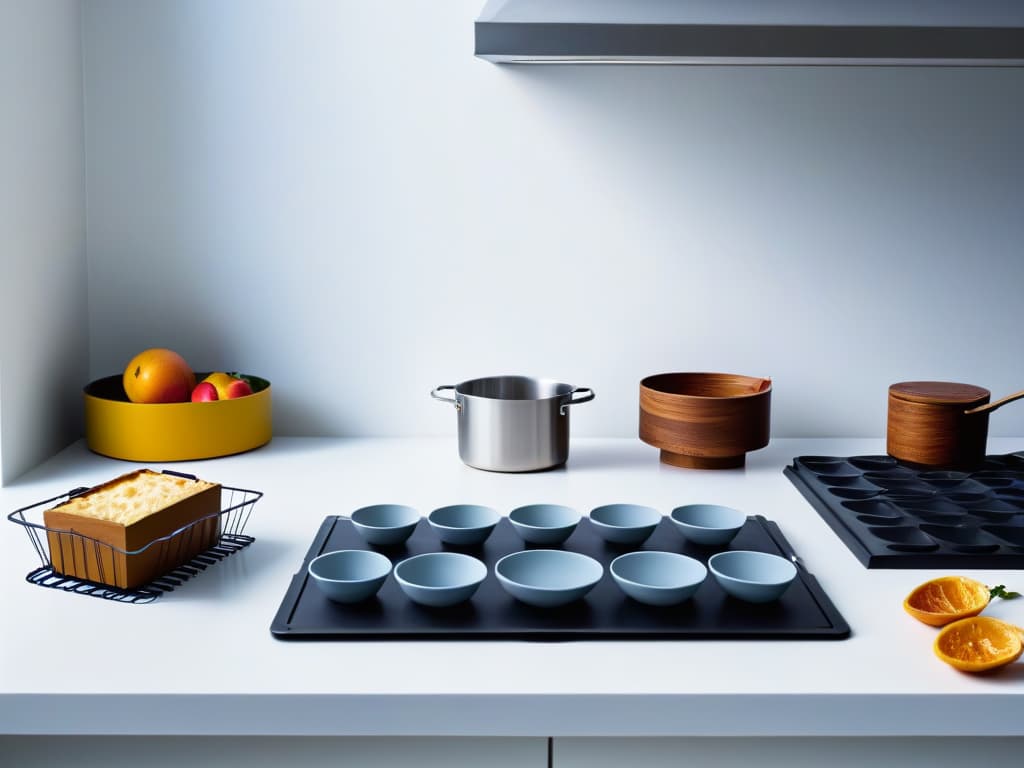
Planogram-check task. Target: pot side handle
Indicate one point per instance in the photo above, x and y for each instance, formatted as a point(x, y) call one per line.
point(573, 400)
point(434, 394)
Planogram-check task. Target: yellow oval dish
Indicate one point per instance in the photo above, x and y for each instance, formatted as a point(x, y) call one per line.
point(121, 429)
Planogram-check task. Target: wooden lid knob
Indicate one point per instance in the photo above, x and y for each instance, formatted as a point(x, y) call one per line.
point(939, 392)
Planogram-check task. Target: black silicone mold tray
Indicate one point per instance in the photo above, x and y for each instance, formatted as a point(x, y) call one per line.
point(892, 515)
point(804, 611)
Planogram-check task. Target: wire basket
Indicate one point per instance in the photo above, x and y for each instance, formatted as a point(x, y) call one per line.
point(173, 553)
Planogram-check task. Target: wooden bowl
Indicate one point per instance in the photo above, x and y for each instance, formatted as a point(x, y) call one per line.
point(121, 429)
point(705, 420)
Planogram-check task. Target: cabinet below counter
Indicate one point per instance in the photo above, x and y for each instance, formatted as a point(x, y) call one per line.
point(201, 660)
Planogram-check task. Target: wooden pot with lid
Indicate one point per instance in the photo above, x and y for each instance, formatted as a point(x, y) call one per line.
point(940, 423)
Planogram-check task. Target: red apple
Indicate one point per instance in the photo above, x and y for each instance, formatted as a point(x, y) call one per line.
point(237, 388)
point(204, 392)
point(228, 387)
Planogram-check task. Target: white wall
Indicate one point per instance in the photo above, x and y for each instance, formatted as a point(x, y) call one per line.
point(44, 343)
point(339, 196)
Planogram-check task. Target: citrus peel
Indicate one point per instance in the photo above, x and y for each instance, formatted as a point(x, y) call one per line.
point(947, 599)
point(979, 644)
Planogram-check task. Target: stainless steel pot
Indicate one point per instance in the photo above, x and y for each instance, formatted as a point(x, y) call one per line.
point(513, 423)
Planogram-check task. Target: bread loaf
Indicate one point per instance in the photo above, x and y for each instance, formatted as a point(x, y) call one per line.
point(111, 534)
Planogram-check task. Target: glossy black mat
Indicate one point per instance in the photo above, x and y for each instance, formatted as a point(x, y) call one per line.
point(804, 611)
point(892, 515)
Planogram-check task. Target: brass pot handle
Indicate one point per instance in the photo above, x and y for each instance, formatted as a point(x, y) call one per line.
point(989, 407)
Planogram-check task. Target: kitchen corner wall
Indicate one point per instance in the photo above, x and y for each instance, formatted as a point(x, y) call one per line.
point(340, 197)
point(44, 342)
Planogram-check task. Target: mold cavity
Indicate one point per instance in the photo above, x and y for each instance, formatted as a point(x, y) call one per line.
point(993, 515)
point(904, 538)
point(873, 507)
point(848, 481)
point(942, 474)
point(964, 538)
point(881, 520)
point(905, 485)
point(940, 518)
point(825, 465)
point(996, 474)
point(1011, 534)
point(938, 506)
point(852, 493)
point(959, 486)
point(910, 497)
point(966, 498)
point(994, 482)
point(873, 463)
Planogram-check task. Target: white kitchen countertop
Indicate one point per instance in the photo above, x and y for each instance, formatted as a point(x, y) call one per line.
point(201, 660)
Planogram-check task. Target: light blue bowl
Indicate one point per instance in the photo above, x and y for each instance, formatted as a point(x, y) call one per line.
point(547, 577)
point(440, 579)
point(757, 577)
point(710, 525)
point(463, 524)
point(625, 523)
point(349, 575)
point(658, 578)
point(549, 524)
point(385, 525)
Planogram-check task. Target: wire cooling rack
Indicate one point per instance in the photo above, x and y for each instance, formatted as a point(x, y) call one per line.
point(77, 549)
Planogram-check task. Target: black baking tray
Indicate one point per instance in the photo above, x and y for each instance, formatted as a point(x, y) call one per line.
point(804, 610)
point(894, 515)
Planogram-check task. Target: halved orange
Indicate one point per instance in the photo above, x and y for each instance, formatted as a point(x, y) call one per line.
point(941, 601)
point(979, 643)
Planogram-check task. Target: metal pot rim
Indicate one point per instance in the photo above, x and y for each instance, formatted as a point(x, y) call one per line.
point(561, 389)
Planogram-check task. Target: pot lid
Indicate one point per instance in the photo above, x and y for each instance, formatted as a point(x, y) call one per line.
point(939, 392)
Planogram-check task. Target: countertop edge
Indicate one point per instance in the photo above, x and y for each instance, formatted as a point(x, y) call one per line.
point(482, 715)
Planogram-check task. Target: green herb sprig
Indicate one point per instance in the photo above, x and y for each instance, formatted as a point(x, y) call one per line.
point(1000, 590)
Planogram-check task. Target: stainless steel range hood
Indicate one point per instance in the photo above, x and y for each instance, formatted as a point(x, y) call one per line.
point(857, 32)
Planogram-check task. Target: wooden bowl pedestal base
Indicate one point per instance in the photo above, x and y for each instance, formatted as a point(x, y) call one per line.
point(703, 462)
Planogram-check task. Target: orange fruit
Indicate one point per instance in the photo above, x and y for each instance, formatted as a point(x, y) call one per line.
point(979, 643)
point(941, 601)
point(158, 376)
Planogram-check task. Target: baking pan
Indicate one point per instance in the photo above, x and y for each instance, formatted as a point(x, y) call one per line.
point(804, 611)
point(892, 514)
